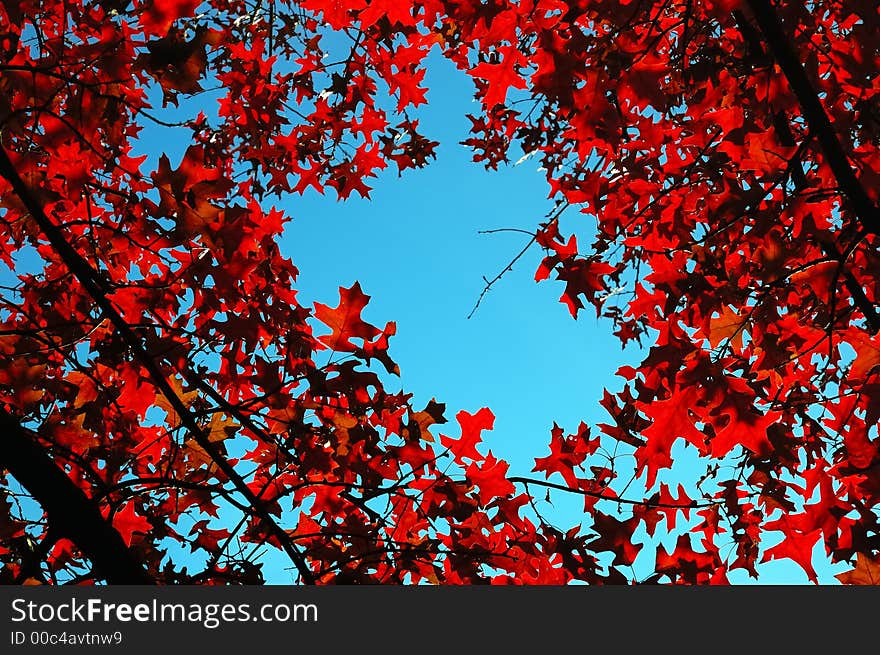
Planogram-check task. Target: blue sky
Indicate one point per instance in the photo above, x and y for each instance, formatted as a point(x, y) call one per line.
point(415, 248)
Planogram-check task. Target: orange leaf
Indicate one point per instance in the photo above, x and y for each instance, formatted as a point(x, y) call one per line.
point(867, 571)
point(431, 415)
point(728, 325)
point(867, 356)
point(186, 397)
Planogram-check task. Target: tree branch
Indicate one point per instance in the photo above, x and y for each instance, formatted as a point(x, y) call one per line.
point(598, 494)
point(70, 512)
point(90, 280)
point(817, 119)
point(786, 138)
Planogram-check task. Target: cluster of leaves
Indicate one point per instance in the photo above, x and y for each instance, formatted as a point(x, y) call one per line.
point(727, 152)
point(154, 344)
point(742, 210)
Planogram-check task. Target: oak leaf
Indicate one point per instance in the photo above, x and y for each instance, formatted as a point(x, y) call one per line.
point(866, 571)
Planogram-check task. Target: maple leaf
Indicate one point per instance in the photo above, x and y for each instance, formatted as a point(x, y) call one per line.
point(188, 194)
point(615, 536)
point(795, 546)
point(500, 76)
point(673, 419)
point(176, 63)
point(207, 538)
point(665, 496)
point(566, 453)
point(345, 320)
point(186, 397)
point(489, 477)
point(336, 13)
point(647, 79)
point(396, 11)
point(420, 422)
point(130, 523)
point(744, 427)
point(688, 564)
point(818, 278)
point(582, 277)
point(866, 572)
point(378, 349)
point(472, 426)
point(24, 378)
point(728, 325)
point(221, 427)
point(407, 87)
point(860, 450)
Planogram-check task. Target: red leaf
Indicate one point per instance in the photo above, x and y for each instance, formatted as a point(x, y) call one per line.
point(795, 546)
point(160, 14)
point(616, 536)
point(129, 523)
point(566, 453)
point(489, 477)
point(472, 426)
point(345, 320)
point(500, 76)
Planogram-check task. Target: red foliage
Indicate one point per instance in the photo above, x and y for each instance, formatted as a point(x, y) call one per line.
point(727, 153)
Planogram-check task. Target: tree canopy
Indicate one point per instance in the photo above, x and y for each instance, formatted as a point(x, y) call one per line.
point(163, 389)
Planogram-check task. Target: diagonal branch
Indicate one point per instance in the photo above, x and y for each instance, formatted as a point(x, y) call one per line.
point(70, 512)
point(90, 280)
point(867, 213)
point(246, 421)
point(783, 130)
